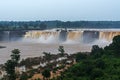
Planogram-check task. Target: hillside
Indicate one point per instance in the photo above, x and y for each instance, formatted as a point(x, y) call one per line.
point(101, 64)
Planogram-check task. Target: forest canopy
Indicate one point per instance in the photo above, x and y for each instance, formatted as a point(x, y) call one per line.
point(41, 25)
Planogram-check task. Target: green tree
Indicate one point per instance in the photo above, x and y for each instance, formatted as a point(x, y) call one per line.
point(46, 73)
point(15, 56)
point(99, 63)
point(10, 69)
point(115, 45)
point(47, 55)
point(96, 51)
point(96, 73)
point(11, 64)
point(80, 56)
point(38, 79)
point(24, 76)
point(43, 26)
point(61, 50)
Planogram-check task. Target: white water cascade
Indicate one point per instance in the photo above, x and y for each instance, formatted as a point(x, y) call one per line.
point(71, 36)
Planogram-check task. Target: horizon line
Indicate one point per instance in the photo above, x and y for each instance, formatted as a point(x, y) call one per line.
point(59, 20)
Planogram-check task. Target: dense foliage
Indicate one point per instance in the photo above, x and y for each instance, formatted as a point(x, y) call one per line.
point(101, 64)
point(11, 64)
point(40, 25)
point(46, 73)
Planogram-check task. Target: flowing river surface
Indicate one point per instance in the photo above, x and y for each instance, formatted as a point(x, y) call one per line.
point(33, 43)
point(35, 49)
point(32, 49)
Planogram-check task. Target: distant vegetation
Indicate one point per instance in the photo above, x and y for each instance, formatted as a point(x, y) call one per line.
point(40, 25)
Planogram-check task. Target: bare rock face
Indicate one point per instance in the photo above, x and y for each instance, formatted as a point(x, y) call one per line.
point(90, 36)
point(63, 35)
point(11, 35)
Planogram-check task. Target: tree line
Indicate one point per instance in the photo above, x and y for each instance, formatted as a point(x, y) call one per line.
point(41, 25)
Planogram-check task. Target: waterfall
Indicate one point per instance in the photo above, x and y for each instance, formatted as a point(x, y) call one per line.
point(74, 36)
point(108, 35)
point(43, 36)
point(70, 36)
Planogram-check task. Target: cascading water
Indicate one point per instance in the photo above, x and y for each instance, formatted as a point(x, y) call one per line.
point(43, 36)
point(73, 36)
point(32, 45)
point(108, 36)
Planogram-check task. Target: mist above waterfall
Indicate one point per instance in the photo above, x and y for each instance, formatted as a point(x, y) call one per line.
point(71, 36)
point(49, 39)
point(33, 43)
point(62, 36)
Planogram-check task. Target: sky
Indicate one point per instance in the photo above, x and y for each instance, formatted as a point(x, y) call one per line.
point(65, 10)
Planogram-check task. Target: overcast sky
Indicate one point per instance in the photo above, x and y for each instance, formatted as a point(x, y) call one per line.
point(65, 10)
